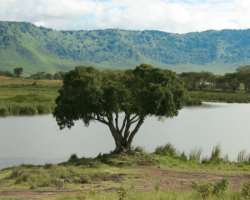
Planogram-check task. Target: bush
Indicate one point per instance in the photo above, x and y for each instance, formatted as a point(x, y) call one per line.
point(4, 112)
point(204, 190)
point(183, 157)
point(216, 154)
point(195, 155)
point(73, 158)
point(245, 191)
point(208, 189)
point(122, 193)
point(167, 150)
point(220, 187)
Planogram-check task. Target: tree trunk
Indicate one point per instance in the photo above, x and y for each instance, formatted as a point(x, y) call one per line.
point(122, 147)
point(123, 137)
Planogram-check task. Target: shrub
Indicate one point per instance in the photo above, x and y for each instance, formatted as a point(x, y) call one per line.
point(245, 191)
point(220, 187)
point(73, 158)
point(4, 112)
point(59, 183)
point(204, 190)
point(122, 193)
point(84, 179)
point(208, 189)
point(216, 154)
point(195, 155)
point(183, 156)
point(168, 150)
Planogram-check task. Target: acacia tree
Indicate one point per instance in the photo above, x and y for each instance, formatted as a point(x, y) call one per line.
point(119, 99)
point(18, 71)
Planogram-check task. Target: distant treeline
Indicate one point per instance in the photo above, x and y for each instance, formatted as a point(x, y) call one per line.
point(17, 72)
point(194, 81)
point(6, 73)
point(47, 76)
point(240, 80)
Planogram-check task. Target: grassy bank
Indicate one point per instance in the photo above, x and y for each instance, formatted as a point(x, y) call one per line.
point(27, 97)
point(164, 174)
point(220, 96)
point(31, 97)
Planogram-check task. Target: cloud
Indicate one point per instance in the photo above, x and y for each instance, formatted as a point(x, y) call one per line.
point(166, 15)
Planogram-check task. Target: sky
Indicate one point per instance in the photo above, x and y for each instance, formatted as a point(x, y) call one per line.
point(178, 16)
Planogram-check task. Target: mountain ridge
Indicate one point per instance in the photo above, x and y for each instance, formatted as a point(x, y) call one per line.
point(34, 48)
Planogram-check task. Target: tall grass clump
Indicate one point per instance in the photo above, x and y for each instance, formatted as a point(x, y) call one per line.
point(216, 156)
point(166, 150)
point(243, 157)
point(245, 191)
point(22, 109)
point(195, 155)
point(207, 190)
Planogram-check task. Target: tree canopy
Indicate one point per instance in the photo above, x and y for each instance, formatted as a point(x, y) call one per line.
point(18, 71)
point(119, 99)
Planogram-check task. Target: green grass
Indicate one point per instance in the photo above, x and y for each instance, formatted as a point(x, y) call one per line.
point(138, 175)
point(32, 97)
point(134, 196)
point(27, 97)
point(145, 196)
point(220, 96)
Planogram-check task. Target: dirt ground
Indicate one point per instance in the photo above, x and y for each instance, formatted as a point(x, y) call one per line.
point(147, 179)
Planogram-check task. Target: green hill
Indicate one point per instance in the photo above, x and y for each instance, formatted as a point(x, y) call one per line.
point(42, 49)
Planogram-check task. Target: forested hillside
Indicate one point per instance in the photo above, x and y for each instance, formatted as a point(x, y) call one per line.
point(41, 49)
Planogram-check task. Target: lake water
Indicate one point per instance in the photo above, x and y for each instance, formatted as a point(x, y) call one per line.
point(38, 140)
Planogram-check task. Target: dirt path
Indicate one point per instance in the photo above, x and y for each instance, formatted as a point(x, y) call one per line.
point(183, 180)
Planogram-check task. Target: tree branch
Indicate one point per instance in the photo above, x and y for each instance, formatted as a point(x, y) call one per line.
point(137, 127)
point(116, 121)
point(101, 119)
point(134, 117)
point(126, 131)
point(124, 123)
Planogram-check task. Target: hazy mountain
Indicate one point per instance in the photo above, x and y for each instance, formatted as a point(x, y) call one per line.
point(41, 49)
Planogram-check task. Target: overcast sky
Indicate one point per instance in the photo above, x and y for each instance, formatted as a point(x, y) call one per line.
point(167, 15)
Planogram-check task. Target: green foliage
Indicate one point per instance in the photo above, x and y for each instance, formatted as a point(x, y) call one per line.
point(18, 71)
point(220, 187)
point(73, 158)
point(216, 156)
point(167, 149)
point(21, 97)
point(205, 190)
point(6, 73)
point(195, 155)
point(122, 193)
point(41, 49)
point(208, 189)
point(57, 176)
point(46, 76)
point(245, 191)
point(17, 109)
point(90, 95)
point(220, 96)
point(243, 157)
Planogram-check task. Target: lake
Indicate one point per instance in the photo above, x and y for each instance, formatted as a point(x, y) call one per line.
point(38, 140)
